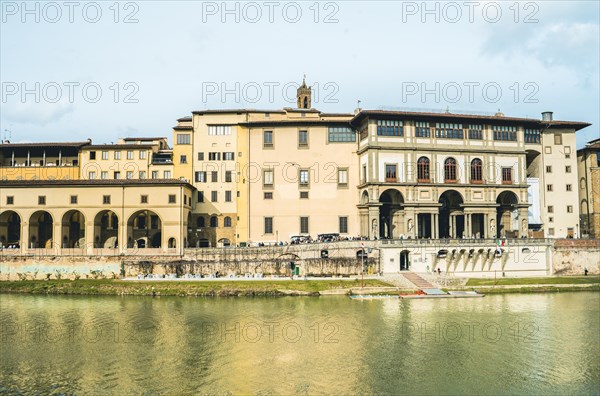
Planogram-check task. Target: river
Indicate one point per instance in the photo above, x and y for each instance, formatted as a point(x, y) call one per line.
point(499, 344)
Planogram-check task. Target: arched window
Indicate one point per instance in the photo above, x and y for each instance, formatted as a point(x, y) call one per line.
point(200, 221)
point(450, 170)
point(476, 171)
point(227, 222)
point(423, 169)
point(214, 222)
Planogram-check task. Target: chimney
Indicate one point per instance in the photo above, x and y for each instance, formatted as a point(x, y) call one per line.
point(547, 116)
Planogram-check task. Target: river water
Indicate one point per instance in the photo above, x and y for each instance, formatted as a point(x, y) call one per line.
point(499, 344)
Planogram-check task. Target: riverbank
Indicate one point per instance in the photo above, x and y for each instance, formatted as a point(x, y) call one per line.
point(191, 288)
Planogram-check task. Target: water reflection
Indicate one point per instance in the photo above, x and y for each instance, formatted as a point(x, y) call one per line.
point(526, 344)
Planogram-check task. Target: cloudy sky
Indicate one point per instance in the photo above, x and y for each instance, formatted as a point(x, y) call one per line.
point(106, 70)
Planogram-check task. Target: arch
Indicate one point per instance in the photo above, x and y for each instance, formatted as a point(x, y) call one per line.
point(73, 229)
point(451, 218)
point(106, 230)
point(391, 201)
point(144, 229)
point(507, 214)
point(41, 230)
point(364, 198)
point(10, 229)
point(223, 242)
point(227, 221)
point(450, 171)
point(172, 243)
point(476, 171)
point(423, 169)
point(214, 221)
point(533, 161)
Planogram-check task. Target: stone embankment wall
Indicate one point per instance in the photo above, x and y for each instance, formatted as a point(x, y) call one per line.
point(571, 256)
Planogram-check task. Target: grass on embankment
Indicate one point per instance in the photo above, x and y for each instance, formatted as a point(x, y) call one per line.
point(553, 280)
point(185, 288)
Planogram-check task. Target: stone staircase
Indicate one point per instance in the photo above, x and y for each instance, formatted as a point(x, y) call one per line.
point(416, 280)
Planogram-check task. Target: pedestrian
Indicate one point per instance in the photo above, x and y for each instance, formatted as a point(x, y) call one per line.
point(439, 271)
point(585, 271)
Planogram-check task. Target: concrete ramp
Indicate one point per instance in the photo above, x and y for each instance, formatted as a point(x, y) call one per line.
point(416, 280)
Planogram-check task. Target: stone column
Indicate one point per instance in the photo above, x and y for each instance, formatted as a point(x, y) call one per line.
point(434, 226)
point(416, 222)
point(373, 215)
point(24, 237)
point(468, 225)
point(523, 223)
point(486, 225)
point(89, 237)
point(56, 238)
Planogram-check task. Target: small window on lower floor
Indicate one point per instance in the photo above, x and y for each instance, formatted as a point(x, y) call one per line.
point(268, 225)
point(343, 225)
point(10, 200)
point(144, 199)
point(172, 198)
point(569, 209)
point(303, 194)
point(268, 195)
point(550, 231)
point(303, 225)
point(42, 200)
point(106, 199)
point(73, 199)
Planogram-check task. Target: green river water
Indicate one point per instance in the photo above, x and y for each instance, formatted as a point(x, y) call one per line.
point(499, 344)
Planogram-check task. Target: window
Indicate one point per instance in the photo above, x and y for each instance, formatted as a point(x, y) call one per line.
point(214, 195)
point(200, 196)
point(200, 156)
point(569, 209)
point(105, 155)
point(422, 129)
point(569, 187)
point(142, 154)
point(532, 135)
point(183, 138)
point(549, 188)
point(227, 221)
point(267, 178)
point(227, 196)
point(92, 175)
point(364, 174)
point(450, 170)
point(341, 135)
point(268, 138)
point(423, 169)
point(302, 138)
point(144, 199)
point(506, 175)
point(129, 175)
point(476, 171)
point(227, 176)
point(201, 177)
point(166, 174)
point(304, 177)
point(214, 176)
point(568, 169)
point(219, 130)
point(172, 198)
point(129, 155)
point(142, 174)
point(448, 131)
point(550, 231)
point(214, 156)
point(117, 155)
point(548, 168)
point(362, 135)
point(343, 225)
point(200, 222)
point(116, 175)
point(550, 209)
point(475, 132)
point(106, 199)
point(183, 159)
point(104, 175)
point(228, 156)
point(303, 194)
point(507, 133)
point(557, 138)
point(550, 219)
point(342, 177)
point(268, 195)
point(548, 150)
point(155, 174)
point(303, 225)
point(390, 173)
point(73, 199)
point(268, 225)
point(10, 200)
point(389, 128)
point(214, 222)
point(92, 155)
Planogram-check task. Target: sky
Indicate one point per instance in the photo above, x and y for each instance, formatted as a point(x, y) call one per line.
point(104, 70)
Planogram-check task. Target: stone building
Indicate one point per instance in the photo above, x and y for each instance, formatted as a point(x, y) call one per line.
point(588, 170)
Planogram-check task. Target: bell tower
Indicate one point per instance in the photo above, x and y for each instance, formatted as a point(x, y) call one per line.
point(303, 95)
